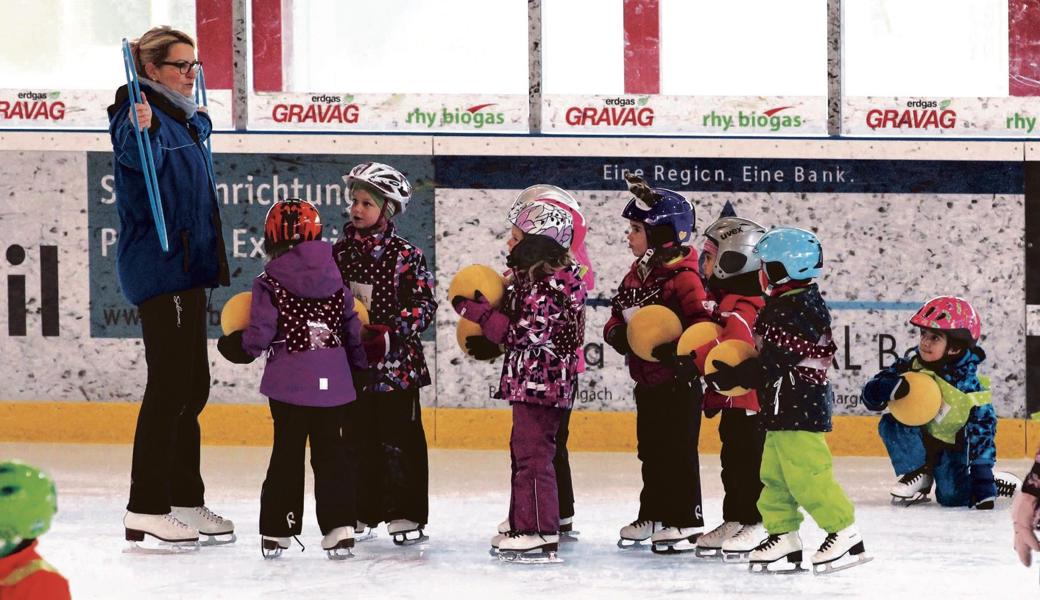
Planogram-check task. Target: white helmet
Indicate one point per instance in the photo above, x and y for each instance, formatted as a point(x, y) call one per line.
point(549, 220)
point(544, 191)
point(388, 180)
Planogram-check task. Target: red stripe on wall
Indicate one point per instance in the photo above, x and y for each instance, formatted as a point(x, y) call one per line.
point(642, 47)
point(213, 23)
point(1024, 47)
point(267, 45)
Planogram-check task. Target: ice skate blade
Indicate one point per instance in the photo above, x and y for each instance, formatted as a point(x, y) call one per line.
point(364, 536)
point(735, 557)
point(221, 539)
point(711, 553)
point(681, 546)
point(912, 500)
point(157, 545)
point(630, 544)
point(835, 566)
point(339, 554)
point(792, 562)
point(530, 557)
point(403, 539)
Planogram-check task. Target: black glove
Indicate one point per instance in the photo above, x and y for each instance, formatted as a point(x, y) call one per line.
point(481, 348)
point(903, 366)
point(230, 347)
point(747, 374)
point(902, 389)
point(360, 379)
point(617, 338)
point(665, 354)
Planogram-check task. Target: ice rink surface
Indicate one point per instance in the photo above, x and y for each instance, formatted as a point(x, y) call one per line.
point(924, 551)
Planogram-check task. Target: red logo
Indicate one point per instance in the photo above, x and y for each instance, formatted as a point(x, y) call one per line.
point(590, 116)
point(911, 118)
point(478, 107)
point(315, 113)
point(21, 109)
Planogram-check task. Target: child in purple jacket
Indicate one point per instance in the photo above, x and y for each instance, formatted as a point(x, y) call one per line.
point(541, 325)
point(302, 317)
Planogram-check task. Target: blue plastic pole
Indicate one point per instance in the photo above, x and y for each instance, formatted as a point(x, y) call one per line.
point(200, 99)
point(144, 149)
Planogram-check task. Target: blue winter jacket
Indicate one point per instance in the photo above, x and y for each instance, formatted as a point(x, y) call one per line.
point(961, 374)
point(196, 257)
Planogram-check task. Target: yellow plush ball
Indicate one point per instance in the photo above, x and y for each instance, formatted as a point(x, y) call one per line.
point(478, 277)
point(732, 353)
point(235, 314)
point(697, 335)
point(465, 329)
point(922, 403)
point(361, 311)
point(651, 326)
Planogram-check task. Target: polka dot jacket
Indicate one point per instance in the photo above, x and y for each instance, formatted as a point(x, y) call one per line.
point(389, 275)
point(546, 329)
point(793, 336)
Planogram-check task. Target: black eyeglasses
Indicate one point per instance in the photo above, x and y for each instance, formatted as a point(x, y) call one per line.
point(184, 66)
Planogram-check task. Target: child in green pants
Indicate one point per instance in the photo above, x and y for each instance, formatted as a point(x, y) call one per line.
point(795, 349)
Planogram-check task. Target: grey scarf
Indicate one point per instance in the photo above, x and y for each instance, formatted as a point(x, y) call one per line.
point(185, 103)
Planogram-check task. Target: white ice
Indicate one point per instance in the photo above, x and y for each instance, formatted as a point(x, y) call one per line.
point(922, 551)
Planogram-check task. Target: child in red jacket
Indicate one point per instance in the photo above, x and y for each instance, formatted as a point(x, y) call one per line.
point(730, 268)
point(28, 501)
point(668, 406)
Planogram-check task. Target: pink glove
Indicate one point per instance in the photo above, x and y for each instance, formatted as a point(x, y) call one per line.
point(475, 310)
point(1023, 520)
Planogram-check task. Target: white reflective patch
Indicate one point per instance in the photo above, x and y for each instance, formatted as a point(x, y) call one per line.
point(323, 383)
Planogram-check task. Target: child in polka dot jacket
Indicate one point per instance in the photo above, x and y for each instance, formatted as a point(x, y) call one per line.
point(302, 317)
point(541, 325)
point(390, 277)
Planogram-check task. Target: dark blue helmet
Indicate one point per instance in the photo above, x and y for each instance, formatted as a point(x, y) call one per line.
point(660, 210)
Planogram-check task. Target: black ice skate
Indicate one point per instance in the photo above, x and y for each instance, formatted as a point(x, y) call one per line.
point(779, 554)
point(675, 540)
point(912, 488)
point(635, 533)
point(840, 550)
point(159, 534)
point(529, 548)
point(406, 533)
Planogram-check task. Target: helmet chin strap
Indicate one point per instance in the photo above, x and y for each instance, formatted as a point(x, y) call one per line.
point(643, 266)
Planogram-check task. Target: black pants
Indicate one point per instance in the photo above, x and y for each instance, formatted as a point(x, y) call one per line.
point(281, 501)
point(741, 457)
point(393, 467)
point(165, 468)
point(562, 465)
point(668, 423)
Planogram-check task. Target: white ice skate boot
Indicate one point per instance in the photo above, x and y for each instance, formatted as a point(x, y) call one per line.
point(840, 550)
point(170, 534)
point(503, 533)
point(406, 533)
point(636, 532)
point(780, 553)
point(737, 548)
point(338, 542)
point(529, 548)
point(363, 532)
point(912, 488)
point(675, 540)
point(272, 547)
point(214, 530)
point(1007, 484)
point(567, 531)
point(709, 545)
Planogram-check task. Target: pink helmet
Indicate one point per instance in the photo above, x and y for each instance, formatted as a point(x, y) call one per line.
point(951, 315)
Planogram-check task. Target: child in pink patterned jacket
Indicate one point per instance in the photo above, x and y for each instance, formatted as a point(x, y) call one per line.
point(541, 325)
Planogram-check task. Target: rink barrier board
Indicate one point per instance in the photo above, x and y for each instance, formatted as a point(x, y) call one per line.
point(450, 428)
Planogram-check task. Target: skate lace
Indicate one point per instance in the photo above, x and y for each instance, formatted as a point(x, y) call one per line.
point(744, 531)
point(911, 478)
point(638, 524)
point(209, 515)
point(827, 543)
point(1006, 488)
point(175, 521)
point(769, 543)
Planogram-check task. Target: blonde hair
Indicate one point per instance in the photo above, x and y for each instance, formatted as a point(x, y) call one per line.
point(548, 267)
point(154, 46)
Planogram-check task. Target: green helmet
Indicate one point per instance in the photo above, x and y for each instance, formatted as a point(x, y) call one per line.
point(28, 500)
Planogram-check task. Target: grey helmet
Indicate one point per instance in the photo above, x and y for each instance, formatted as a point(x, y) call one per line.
point(736, 238)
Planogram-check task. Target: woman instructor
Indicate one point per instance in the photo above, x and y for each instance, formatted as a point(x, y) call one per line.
point(169, 288)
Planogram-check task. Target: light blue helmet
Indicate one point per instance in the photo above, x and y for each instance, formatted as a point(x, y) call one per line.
point(789, 253)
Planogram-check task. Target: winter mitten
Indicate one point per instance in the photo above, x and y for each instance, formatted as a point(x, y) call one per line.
point(1023, 521)
point(901, 389)
point(665, 354)
point(481, 348)
point(617, 338)
point(230, 347)
point(747, 374)
point(375, 339)
point(474, 309)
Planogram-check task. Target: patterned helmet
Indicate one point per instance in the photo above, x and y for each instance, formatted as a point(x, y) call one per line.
point(28, 502)
point(291, 220)
point(659, 207)
point(389, 181)
point(734, 240)
point(549, 220)
point(548, 193)
point(952, 315)
point(790, 253)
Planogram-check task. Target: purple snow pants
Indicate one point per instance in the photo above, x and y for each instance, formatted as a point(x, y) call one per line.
point(534, 506)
